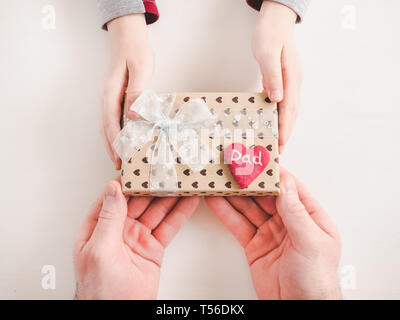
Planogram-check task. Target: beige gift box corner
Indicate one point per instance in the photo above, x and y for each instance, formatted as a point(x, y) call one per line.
point(232, 111)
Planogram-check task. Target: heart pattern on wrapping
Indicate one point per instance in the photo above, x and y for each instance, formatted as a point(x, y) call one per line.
point(246, 164)
point(216, 180)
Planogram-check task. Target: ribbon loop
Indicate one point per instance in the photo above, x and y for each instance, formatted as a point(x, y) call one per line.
point(181, 133)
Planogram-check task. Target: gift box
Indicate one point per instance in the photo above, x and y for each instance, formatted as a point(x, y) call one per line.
point(187, 144)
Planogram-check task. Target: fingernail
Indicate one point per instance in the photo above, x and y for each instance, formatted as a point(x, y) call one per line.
point(109, 190)
point(276, 95)
point(288, 185)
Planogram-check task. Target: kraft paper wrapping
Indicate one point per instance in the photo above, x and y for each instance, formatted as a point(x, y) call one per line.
point(232, 111)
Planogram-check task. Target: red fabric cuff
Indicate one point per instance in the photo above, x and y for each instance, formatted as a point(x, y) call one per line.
point(256, 4)
point(151, 11)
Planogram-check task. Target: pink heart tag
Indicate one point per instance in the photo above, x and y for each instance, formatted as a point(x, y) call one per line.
point(246, 164)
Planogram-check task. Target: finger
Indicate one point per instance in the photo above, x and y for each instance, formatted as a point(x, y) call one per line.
point(110, 151)
point(90, 221)
point(138, 79)
point(117, 164)
point(88, 225)
point(288, 107)
point(272, 75)
point(141, 242)
point(157, 211)
point(112, 127)
point(267, 203)
point(275, 224)
point(175, 220)
point(313, 207)
point(130, 99)
point(299, 224)
point(250, 209)
point(113, 93)
point(235, 222)
point(112, 215)
point(138, 205)
point(288, 111)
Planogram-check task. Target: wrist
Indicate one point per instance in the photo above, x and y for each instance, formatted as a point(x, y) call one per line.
point(128, 28)
point(272, 10)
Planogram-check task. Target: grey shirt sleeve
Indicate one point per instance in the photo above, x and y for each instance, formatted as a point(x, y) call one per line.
point(298, 6)
point(111, 9)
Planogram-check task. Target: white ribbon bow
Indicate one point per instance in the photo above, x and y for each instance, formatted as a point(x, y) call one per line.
point(182, 133)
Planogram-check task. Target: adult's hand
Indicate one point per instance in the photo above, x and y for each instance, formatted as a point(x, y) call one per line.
point(291, 245)
point(275, 51)
point(130, 70)
point(120, 245)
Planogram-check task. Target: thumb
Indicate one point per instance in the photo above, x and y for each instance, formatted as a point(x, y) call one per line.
point(138, 80)
point(300, 226)
point(272, 76)
point(130, 98)
point(112, 215)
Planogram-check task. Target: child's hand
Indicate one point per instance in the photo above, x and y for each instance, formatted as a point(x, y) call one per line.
point(292, 246)
point(275, 51)
point(120, 245)
point(130, 70)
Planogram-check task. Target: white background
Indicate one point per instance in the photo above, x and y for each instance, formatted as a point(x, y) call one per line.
point(345, 146)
